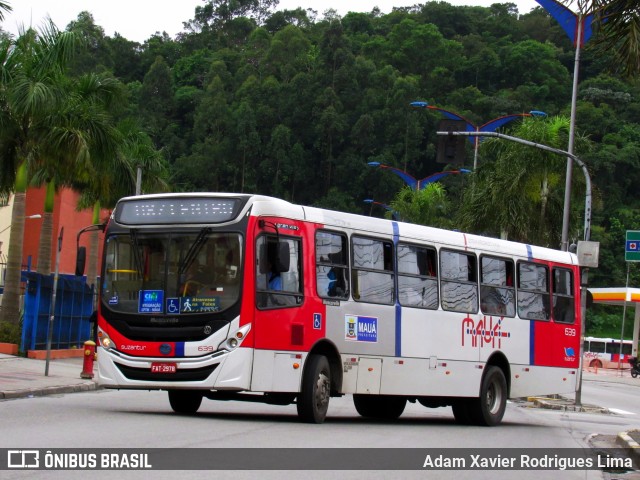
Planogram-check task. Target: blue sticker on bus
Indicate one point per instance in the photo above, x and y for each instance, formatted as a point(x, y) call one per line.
point(360, 329)
point(150, 301)
point(173, 305)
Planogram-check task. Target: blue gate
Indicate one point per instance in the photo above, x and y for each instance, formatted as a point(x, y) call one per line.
point(74, 305)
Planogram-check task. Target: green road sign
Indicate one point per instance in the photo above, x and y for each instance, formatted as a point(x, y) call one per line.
point(632, 246)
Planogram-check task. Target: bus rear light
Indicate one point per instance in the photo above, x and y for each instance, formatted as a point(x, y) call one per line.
point(296, 366)
point(298, 356)
point(525, 369)
point(517, 376)
point(448, 372)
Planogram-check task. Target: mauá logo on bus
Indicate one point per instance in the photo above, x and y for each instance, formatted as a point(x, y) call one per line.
point(361, 329)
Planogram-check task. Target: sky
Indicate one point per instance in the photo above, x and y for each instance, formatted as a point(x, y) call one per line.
point(138, 20)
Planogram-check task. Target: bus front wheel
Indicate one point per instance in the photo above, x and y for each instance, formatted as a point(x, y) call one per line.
point(185, 401)
point(488, 409)
point(313, 400)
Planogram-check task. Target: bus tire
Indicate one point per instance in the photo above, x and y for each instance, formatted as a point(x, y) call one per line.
point(488, 409)
point(185, 401)
point(384, 407)
point(634, 373)
point(315, 391)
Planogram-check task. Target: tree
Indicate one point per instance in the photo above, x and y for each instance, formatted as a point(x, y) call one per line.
point(31, 88)
point(4, 7)
point(517, 192)
point(84, 139)
point(427, 206)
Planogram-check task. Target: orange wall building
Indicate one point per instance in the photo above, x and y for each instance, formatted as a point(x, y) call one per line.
point(65, 216)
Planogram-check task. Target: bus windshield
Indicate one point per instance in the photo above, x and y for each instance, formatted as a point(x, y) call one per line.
point(179, 273)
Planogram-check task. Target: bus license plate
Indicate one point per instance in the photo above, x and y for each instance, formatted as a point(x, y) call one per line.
point(163, 368)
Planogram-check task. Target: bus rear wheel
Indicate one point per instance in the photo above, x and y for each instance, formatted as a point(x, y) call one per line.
point(384, 407)
point(185, 401)
point(315, 391)
point(488, 409)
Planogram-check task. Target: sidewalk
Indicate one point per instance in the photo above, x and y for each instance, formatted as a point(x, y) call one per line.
point(24, 377)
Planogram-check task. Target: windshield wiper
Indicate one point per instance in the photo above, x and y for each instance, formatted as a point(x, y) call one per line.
point(194, 249)
point(137, 255)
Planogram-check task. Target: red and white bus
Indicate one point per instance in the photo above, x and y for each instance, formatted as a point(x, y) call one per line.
point(605, 353)
point(247, 297)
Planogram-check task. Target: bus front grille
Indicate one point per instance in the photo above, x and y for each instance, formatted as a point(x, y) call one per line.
point(184, 375)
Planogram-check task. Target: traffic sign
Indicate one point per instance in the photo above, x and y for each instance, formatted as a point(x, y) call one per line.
point(632, 246)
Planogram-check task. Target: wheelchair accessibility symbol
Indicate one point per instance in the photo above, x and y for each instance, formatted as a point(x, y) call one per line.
point(173, 305)
point(317, 321)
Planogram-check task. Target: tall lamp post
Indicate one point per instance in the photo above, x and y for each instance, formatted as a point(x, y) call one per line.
point(490, 126)
point(578, 29)
point(414, 183)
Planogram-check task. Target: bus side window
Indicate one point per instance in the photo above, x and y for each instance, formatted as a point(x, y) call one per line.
point(533, 291)
point(497, 295)
point(458, 281)
point(278, 272)
point(417, 282)
point(331, 265)
point(563, 299)
point(372, 270)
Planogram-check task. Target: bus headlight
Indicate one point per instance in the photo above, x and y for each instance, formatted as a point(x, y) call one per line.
point(107, 343)
point(236, 338)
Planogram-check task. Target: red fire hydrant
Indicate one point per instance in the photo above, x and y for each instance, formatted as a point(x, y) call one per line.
point(89, 357)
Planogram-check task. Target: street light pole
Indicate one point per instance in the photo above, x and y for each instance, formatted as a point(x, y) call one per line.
point(587, 230)
point(52, 308)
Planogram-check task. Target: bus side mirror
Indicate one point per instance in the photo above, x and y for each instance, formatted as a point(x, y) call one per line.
point(283, 257)
point(81, 259)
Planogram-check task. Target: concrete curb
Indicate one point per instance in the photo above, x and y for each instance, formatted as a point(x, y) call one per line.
point(561, 403)
point(43, 391)
point(633, 448)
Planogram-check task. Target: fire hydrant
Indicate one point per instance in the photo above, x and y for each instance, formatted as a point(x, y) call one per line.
point(89, 357)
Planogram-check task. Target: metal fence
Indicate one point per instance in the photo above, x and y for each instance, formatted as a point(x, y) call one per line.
point(73, 307)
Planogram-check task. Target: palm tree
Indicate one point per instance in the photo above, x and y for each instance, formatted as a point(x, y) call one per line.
point(4, 7)
point(519, 193)
point(618, 23)
point(109, 182)
point(31, 86)
point(85, 140)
